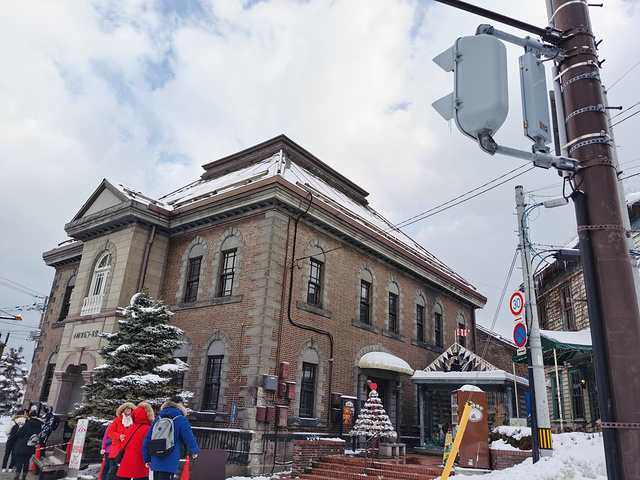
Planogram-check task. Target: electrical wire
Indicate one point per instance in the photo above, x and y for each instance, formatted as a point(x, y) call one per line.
point(26, 290)
point(438, 209)
point(624, 75)
point(626, 118)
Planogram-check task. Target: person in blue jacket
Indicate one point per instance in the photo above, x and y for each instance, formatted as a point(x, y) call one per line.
point(164, 468)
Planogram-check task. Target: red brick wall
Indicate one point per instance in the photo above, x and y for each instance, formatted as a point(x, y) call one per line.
point(305, 452)
point(501, 459)
point(51, 334)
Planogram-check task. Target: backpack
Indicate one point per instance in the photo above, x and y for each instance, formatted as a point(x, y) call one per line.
point(162, 437)
point(33, 440)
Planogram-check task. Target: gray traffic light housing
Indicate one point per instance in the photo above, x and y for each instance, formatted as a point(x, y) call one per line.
point(479, 102)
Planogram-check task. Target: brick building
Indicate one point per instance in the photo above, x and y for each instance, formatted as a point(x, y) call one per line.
point(283, 279)
point(564, 322)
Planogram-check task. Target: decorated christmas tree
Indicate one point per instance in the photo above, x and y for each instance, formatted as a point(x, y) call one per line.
point(139, 364)
point(373, 421)
point(13, 377)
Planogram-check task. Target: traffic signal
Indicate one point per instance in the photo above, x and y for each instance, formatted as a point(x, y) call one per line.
point(479, 102)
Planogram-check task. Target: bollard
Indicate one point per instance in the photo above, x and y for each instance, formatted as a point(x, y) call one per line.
point(68, 451)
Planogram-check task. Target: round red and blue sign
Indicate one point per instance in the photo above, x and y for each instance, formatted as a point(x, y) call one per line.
point(520, 335)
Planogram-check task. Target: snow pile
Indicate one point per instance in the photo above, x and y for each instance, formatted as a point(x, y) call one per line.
point(576, 456)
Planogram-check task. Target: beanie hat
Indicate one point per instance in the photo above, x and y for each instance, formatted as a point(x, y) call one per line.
point(177, 399)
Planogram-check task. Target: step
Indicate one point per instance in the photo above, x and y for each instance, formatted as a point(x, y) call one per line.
point(408, 472)
point(320, 473)
point(397, 466)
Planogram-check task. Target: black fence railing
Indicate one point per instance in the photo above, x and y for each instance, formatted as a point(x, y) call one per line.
point(236, 443)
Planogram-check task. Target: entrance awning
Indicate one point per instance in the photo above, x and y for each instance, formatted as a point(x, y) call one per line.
point(569, 346)
point(385, 361)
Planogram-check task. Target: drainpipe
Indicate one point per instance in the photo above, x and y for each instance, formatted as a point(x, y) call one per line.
point(145, 260)
point(305, 327)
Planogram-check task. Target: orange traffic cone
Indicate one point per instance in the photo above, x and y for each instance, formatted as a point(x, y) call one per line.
point(68, 452)
point(185, 470)
point(33, 465)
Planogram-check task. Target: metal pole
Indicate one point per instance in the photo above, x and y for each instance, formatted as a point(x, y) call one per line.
point(589, 143)
point(611, 450)
point(536, 365)
point(558, 392)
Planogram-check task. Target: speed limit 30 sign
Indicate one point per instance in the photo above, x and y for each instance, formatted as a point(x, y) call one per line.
point(516, 304)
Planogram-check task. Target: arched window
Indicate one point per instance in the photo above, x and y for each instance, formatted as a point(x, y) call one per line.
point(93, 302)
point(194, 264)
point(394, 306)
point(215, 358)
point(438, 325)
point(316, 294)
point(228, 260)
point(421, 315)
point(308, 383)
point(194, 270)
point(66, 300)
point(365, 310)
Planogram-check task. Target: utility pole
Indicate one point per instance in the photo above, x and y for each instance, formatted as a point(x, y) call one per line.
point(541, 428)
point(588, 141)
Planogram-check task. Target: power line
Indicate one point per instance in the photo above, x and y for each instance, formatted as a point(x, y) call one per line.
point(626, 118)
point(22, 289)
point(624, 75)
point(438, 209)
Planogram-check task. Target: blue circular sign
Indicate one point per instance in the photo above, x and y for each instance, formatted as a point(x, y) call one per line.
point(520, 335)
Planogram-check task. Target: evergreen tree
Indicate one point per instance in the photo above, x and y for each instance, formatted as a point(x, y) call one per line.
point(13, 377)
point(373, 421)
point(139, 364)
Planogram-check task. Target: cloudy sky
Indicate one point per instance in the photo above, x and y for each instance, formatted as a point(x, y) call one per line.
point(145, 92)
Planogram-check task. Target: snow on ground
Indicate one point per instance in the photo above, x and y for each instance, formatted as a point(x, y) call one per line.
point(576, 456)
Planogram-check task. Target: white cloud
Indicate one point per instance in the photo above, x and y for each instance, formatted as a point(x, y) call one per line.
point(145, 92)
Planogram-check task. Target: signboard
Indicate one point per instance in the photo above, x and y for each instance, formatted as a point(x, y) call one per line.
point(234, 410)
point(86, 335)
point(516, 304)
point(522, 351)
point(348, 413)
point(78, 444)
point(520, 335)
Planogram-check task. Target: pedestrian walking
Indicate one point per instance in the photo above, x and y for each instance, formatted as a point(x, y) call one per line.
point(24, 446)
point(116, 432)
point(13, 425)
point(133, 465)
point(164, 468)
point(104, 451)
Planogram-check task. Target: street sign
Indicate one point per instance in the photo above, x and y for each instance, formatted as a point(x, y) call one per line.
point(520, 335)
point(516, 304)
point(522, 351)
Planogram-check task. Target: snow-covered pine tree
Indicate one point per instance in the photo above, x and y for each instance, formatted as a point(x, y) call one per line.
point(13, 377)
point(373, 420)
point(139, 364)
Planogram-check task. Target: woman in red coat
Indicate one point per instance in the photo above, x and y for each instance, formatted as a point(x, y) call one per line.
point(132, 465)
point(116, 432)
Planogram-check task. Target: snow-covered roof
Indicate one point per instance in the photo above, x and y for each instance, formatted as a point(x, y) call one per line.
point(581, 338)
point(385, 361)
point(322, 186)
point(478, 377)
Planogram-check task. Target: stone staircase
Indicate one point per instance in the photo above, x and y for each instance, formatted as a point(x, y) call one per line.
point(353, 468)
